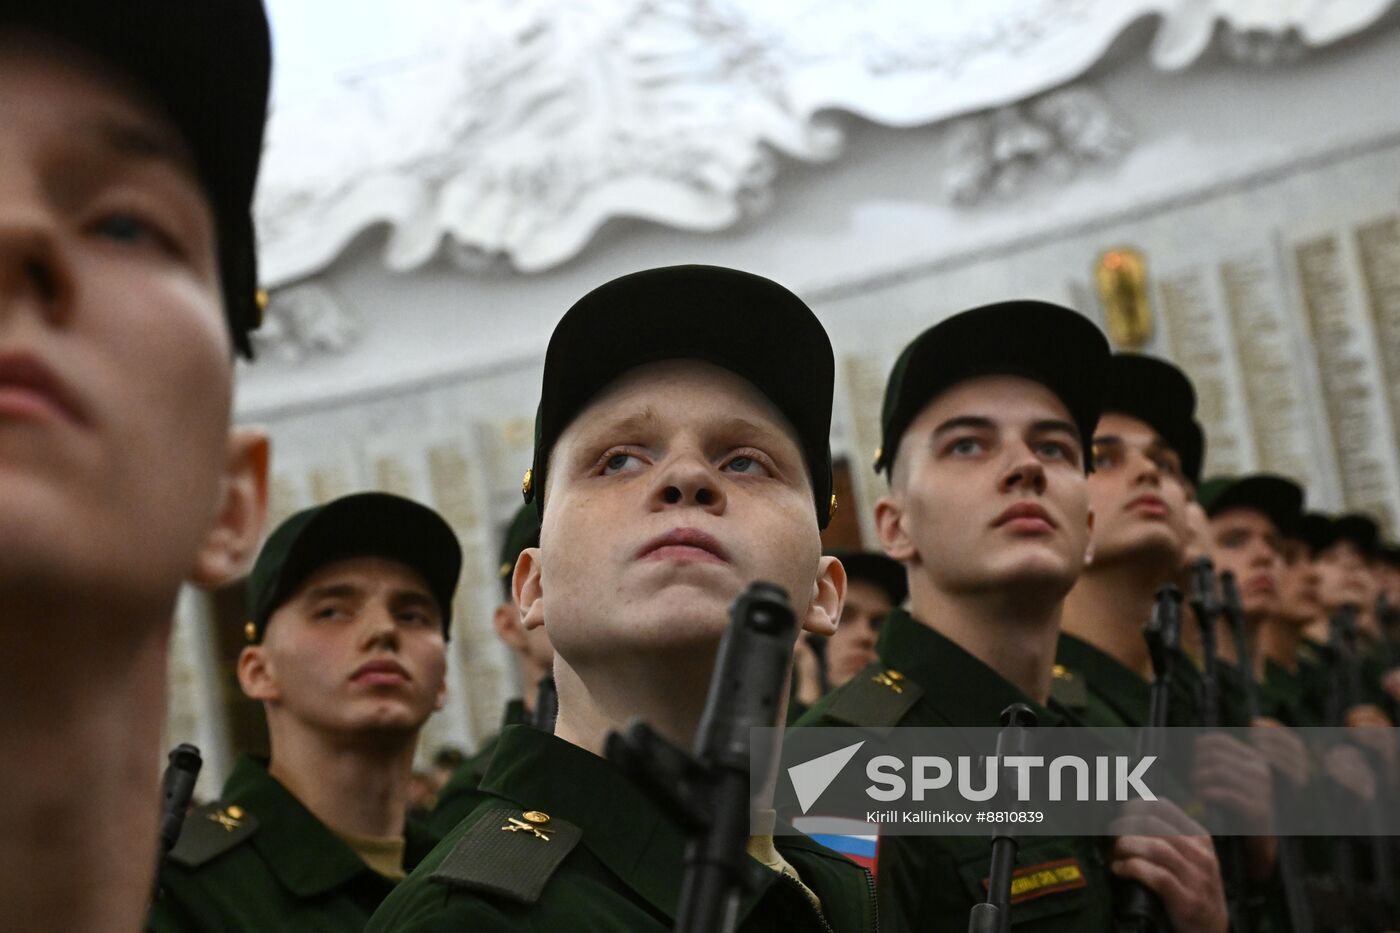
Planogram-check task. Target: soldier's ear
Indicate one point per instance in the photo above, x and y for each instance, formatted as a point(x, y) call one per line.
point(829, 595)
point(889, 526)
point(232, 542)
point(255, 676)
point(528, 586)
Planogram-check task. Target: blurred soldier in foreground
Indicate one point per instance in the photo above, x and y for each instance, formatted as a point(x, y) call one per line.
point(984, 425)
point(129, 143)
point(681, 454)
point(350, 607)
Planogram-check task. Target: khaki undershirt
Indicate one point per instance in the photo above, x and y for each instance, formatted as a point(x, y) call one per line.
point(383, 856)
point(761, 848)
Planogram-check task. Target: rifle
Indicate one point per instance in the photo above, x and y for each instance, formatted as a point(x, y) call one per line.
point(1347, 692)
point(177, 784)
point(1141, 911)
point(546, 705)
point(1206, 605)
point(994, 916)
point(1289, 868)
point(709, 788)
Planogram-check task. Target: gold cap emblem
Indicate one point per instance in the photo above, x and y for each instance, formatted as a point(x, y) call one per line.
point(527, 484)
point(535, 816)
point(260, 299)
point(250, 631)
point(879, 452)
point(831, 507)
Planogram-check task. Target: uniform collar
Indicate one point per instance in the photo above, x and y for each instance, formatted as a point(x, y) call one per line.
point(960, 688)
point(1108, 678)
point(621, 825)
point(302, 853)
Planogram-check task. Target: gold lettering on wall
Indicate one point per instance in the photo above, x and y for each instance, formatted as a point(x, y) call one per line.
point(1272, 401)
point(1379, 246)
point(1189, 312)
point(1347, 379)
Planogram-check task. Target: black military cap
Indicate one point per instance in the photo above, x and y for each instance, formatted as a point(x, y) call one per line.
point(1157, 393)
point(1279, 499)
point(1389, 554)
point(524, 531)
point(207, 64)
point(367, 524)
point(876, 569)
point(741, 322)
point(1360, 530)
point(1317, 531)
point(1047, 343)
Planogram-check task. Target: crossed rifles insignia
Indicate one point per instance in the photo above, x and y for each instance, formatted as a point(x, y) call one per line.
point(531, 821)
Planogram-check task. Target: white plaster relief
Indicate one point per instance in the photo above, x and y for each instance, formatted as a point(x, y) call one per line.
point(510, 130)
point(305, 321)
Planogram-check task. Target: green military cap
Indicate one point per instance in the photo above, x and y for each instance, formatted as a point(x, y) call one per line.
point(367, 524)
point(524, 531)
point(1043, 342)
point(207, 65)
point(1278, 498)
point(1360, 530)
point(1159, 394)
point(877, 569)
point(741, 322)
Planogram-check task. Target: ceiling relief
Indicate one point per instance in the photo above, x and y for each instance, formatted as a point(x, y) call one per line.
point(509, 131)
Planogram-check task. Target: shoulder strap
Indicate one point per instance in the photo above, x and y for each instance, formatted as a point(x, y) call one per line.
point(210, 831)
point(1069, 689)
point(877, 697)
point(509, 853)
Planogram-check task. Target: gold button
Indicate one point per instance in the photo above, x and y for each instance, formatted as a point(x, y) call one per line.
point(506, 568)
point(879, 451)
point(831, 509)
point(236, 812)
point(527, 483)
point(250, 631)
point(536, 817)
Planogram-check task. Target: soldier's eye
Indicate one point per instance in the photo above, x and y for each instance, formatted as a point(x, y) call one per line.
point(749, 466)
point(619, 462)
point(965, 446)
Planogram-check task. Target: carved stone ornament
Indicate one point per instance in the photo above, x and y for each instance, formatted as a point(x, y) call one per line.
point(510, 130)
point(305, 321)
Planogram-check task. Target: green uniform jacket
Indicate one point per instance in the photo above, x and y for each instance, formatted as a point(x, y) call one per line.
point(930, 883)
point(459, 796)
point(612, 862)
point(1107, 683)
point(258, 861)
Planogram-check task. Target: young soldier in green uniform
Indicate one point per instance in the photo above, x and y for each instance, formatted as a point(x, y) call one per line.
point(984, 421)
point(534, 661)
point(1289, 665)
point(129, 143)
point(874, 585)
point(1147, 450)
point(681, 454)
point(350, 609)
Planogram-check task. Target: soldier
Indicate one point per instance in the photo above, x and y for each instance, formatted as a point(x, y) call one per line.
point(874, 585)
point(984, 421)
point(129, 144)
point(681, 454)
point(1293, 676)
point(534, 661)
point(1147, 451)
point(350, 606)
